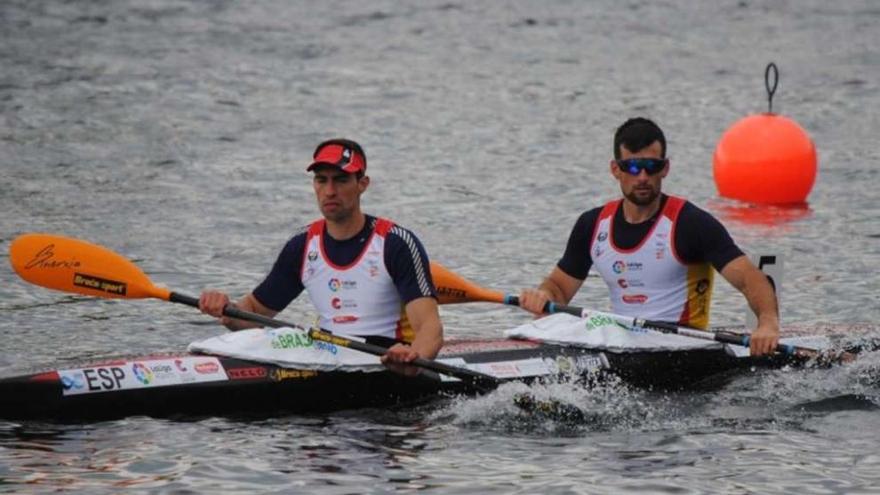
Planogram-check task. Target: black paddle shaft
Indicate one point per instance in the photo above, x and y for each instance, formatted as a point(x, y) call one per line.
point(481, 381)
point(662, 326)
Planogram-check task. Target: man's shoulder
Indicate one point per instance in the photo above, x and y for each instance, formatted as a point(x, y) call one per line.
point(690, 212)
point(402, 239)
point(589, 217)
point(590, 214)
point(300, 233)
point(297, 240)
point(696, 223)
point(393, 230)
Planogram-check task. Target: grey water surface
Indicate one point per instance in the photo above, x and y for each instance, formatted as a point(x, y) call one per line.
point(177, 133)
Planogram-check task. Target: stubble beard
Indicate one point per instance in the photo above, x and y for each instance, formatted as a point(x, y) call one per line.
point(341, 215)
point(642, 200)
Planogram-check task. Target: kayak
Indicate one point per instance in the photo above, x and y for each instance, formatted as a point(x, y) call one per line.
point(189, 384)
point(205, 382)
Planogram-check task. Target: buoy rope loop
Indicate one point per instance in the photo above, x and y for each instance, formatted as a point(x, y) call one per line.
point(771, 90)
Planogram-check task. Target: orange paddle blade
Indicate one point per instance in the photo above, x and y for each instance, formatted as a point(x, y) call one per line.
point(71, 265)
point(452, 288)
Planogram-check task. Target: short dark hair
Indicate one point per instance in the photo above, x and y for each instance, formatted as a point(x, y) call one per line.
point(638, 133)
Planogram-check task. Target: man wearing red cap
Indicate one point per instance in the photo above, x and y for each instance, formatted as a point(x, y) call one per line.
point(365, 275)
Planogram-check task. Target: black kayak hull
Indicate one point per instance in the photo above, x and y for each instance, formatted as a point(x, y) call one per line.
point(190, 385)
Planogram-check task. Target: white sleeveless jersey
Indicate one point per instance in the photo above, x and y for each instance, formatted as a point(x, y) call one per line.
point(359, 299)
point(650, 281)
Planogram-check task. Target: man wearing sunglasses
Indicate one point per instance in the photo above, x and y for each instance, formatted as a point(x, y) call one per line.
point(365, 275)
point(655, 252)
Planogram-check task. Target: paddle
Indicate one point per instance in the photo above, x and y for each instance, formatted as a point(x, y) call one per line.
point(453, 288)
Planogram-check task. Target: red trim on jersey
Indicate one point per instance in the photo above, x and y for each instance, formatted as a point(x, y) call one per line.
point(637, 246)
point(607, 210)
point(314, 230)
point(383, 226)
point(671, 211)
point(685, 317)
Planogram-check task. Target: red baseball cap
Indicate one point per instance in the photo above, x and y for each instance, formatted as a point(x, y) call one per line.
point(345, 154)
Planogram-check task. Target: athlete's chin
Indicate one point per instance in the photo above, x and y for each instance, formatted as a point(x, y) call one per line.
point(642, 197)
point(334, 214)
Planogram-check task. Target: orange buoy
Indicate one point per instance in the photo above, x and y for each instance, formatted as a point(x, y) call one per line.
point(765, 159)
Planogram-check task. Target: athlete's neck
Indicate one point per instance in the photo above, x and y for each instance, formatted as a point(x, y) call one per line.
point(634, 213)
point(348, 228)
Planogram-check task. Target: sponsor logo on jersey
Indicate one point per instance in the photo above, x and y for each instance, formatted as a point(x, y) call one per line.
point(373, 268)
point(338, 303)
point(336, 285)
point(620, 266)
point(702, 286)
point(635, 298)
point(625, 283)
point(345, 319)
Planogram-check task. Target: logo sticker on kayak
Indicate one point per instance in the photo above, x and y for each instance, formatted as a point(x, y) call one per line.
point(291, 340)
point(279, 374)
point(144, 373)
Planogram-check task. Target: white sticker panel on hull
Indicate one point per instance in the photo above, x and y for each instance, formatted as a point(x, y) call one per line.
point(139, 374)
point(531, 367)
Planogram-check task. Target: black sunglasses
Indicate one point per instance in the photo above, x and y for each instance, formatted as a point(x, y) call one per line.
point(634, 166)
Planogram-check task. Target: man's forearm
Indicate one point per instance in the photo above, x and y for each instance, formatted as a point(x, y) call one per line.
point(553, 290)
point(249, 304)
point(761, 298)
point(428, 340)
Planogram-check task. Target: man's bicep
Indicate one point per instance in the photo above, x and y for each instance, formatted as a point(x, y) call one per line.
point(735, 271)
point(700, 237)
point(407, 263)
point(576, 260)
point(421, 309)
point(283, 283)
point(567, 284)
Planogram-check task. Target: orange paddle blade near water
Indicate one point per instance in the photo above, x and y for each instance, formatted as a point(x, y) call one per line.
point(452, 288)
point(72, 265)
